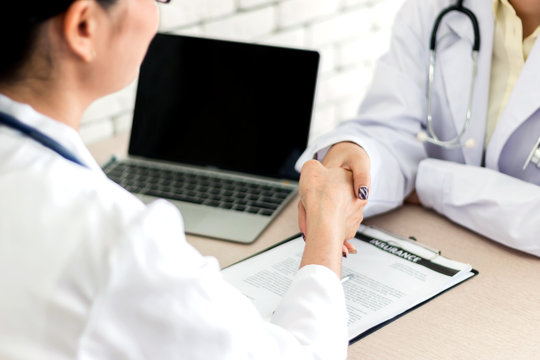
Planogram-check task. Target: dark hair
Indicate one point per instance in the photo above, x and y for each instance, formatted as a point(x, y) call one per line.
point(20, 23)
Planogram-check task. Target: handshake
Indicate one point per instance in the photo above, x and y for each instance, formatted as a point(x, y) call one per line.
point(333, 194)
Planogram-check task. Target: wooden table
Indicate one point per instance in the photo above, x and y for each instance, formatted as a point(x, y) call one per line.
point(496, 315)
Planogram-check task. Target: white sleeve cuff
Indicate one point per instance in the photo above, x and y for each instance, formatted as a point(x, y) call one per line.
point(318, 149)
point(313, 310)
point(432, 183)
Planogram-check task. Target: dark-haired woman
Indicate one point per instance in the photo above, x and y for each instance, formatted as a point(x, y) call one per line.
point(87, 270)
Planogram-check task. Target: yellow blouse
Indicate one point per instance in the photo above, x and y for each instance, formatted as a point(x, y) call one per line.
point(510, 52)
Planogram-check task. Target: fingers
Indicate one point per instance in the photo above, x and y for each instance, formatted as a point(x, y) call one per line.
point(339, 155)
point(353, 228)
point(361, 176)
point(301, 217)
point(327, 194)
point(350, 247)
point(309, 167)
point(352, 157)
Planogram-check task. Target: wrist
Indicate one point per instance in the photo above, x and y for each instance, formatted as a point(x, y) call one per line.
point(323, 247)
point(326, 218)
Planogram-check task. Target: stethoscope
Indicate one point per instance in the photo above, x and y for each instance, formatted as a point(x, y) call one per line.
point(38, 136)
point(432, 138)
point(534, 156)
point(456, 142)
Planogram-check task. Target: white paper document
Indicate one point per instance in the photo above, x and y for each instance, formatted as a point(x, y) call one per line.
point(388, 276)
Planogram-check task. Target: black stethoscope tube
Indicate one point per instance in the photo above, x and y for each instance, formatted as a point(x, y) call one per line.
point(431, 136)
point(39, 137)
point(459, 8)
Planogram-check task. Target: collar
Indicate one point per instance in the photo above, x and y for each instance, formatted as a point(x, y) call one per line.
point(510, 9)
point(496, 5)
point(56, 130)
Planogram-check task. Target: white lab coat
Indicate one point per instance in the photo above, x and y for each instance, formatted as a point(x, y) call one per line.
point(90, 272)
point(500, 200)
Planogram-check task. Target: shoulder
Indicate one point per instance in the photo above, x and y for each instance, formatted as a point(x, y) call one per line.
point(70, 233)
point(427, 8)
point(82, 200)
point(426, 12)
point(79, 218)
point(421, 12)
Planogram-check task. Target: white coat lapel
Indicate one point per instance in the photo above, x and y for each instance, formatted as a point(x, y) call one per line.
point(456, 63)
point(523, 102)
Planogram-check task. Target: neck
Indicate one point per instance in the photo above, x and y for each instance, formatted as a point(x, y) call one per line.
point(61, 104)
point(529, 13)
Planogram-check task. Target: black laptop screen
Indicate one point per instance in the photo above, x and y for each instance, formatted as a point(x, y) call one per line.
point(222, 104)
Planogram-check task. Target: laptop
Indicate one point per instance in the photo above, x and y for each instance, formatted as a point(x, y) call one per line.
point(217, 128)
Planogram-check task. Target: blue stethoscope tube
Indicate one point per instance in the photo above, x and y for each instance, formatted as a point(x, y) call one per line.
point(39, 137)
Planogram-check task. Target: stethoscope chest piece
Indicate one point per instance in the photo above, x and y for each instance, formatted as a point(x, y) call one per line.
point(534, 156)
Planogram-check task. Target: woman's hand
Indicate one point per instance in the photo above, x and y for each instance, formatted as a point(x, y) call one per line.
point(350, 156)
point(329, 213)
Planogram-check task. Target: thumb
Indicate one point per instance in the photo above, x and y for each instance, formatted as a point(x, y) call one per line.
point(361, 177)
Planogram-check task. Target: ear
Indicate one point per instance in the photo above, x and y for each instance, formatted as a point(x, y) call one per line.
point(80, 29)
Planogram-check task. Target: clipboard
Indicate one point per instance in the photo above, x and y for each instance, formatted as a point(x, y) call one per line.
point(383, 324)
point(393, 244)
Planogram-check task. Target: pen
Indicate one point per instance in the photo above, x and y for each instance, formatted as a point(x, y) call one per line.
point(346, 278)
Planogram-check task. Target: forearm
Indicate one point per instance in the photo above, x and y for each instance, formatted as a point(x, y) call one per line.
point(495, 205)
point(323, 246)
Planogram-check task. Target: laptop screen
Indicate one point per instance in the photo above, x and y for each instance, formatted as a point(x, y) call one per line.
point(223, 104)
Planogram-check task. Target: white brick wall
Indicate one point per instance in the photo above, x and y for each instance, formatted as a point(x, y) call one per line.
point(349, 34)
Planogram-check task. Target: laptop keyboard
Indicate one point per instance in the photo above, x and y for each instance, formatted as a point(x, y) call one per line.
point(199, 188)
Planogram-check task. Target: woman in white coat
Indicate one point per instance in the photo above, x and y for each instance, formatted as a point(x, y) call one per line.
point(483, 187)
point(90, 272)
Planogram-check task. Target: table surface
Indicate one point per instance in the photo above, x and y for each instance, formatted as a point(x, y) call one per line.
point(495, 315)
